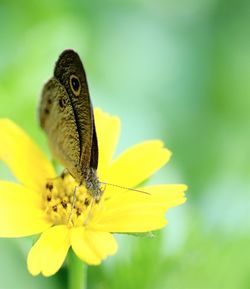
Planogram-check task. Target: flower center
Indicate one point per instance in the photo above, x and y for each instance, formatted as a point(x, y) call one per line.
point(63, 207)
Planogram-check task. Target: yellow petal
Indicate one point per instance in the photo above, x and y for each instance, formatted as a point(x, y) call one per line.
point(132, 222)
point(108, 131)
point(49, 252)
point(23, 157)
point(20, 211)
point(92, 247)
point(137, 212)
point(166, 196)
point(136, 164)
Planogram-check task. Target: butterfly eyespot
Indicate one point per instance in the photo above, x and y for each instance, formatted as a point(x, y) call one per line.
point(75, 84)
point(62, 102)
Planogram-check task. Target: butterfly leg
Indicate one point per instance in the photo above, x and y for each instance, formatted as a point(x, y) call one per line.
point(73, 203)
point(89, 215)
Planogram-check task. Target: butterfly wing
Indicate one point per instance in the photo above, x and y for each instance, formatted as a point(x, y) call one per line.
point(69, 71)
point(57, 119)
point(94, 149)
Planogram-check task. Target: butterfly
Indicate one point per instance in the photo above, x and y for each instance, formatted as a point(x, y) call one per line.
point(66, 115)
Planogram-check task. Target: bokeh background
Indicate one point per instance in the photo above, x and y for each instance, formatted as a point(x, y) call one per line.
point(177, 70)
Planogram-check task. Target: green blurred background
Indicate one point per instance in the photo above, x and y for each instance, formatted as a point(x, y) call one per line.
point(177, 70)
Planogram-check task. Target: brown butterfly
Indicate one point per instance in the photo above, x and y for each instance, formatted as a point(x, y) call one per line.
point(66, 115)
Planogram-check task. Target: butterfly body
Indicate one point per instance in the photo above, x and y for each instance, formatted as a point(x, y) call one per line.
point(66, 115)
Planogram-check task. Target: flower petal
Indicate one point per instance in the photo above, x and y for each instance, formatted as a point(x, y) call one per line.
point(133, 222)
point(137, 212)
point(49, 252)
point(92, 247)
point(166, 195)
point(137, 163)
point(23, 157)
point(20, 211)
point(108, 132)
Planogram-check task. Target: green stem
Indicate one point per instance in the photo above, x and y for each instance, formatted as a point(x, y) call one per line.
point(77, 272)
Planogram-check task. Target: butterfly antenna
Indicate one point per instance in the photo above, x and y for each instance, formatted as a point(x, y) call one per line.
point(125, 188)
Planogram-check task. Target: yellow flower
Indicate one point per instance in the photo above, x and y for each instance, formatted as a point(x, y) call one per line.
point(41, 203)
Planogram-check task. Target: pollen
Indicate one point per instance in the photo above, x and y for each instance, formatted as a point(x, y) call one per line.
point(61, 205)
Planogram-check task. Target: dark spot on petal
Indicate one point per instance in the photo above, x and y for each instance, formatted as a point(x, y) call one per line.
point(64, 204)
point(54, 208)
point(49, 186)
point(86, 202)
